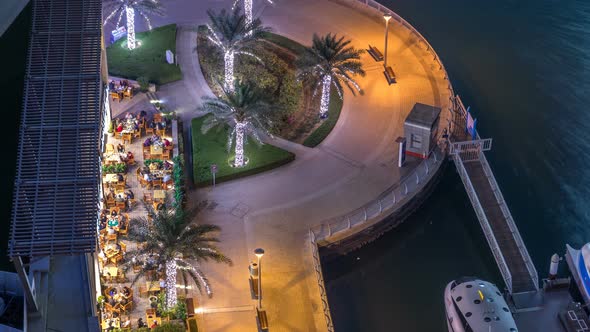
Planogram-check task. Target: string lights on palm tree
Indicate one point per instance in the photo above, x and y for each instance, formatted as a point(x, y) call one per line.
point(248, 9)
point(330, 61)
point(233, 35)
point(242, 108)
point(144, 8)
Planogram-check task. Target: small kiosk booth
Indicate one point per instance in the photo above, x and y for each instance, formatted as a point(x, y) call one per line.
point(421, 130)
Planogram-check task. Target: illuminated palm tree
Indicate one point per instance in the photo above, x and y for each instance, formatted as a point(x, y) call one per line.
point(234, 36)
point(244, 109)
point(248, 9)
point(171, 239)
point(143, 7)
point(330, 61)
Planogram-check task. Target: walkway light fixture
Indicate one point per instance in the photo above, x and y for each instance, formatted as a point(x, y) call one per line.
point(259, 252)
point(387, 17)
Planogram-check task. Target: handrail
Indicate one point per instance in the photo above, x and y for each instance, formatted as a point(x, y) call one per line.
point(510, 221)
point(485, 225)
point(320, 278)
point(388, 199)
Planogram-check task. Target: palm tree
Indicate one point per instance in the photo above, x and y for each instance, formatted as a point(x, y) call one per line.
point(244, 109)
point(231, 32)
point(248, 9)
point(330, 61)
point(143, 7)
point(171, 239)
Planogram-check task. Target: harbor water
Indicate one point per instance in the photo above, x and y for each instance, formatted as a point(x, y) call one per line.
point(523, 68)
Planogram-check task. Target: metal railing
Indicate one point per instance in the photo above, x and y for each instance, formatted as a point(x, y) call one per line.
point(317, 266)
point(510, 221)
point(483, 221)
point(393, 197)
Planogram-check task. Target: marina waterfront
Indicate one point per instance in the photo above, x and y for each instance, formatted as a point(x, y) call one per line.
point(521, 66)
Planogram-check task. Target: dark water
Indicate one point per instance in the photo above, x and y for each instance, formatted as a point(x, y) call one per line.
point(524, 68)
point(13, 53)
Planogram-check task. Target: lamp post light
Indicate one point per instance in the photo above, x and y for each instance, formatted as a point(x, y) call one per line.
point(259, 252)
point(387, 17)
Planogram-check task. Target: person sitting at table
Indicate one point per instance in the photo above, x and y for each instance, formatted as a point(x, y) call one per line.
point(119, 128)
point(161, 125)
point(140, 323)
point(111, 231)
point(154, 325)
point(102, 256)
point(166, 178)
point(111, 85)
point(129, 194)
point(128, 116)
point(152, 124)
point(126, 323)
point(147, 177)
point(166, 142)
point(120, 147)
point(102, 225)
point(147, 142)
point(135, 125)
point(168, 165)
point(126, 291)
point(112, 301)
point(119, 198)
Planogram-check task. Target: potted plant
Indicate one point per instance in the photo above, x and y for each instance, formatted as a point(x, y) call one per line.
point(100, 302)
point(111, 129)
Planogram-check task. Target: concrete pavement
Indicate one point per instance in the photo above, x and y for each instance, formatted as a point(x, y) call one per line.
point(275, 210)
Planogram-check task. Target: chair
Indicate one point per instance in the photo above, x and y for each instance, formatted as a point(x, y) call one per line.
point(166, 154)
point(120, 187)
point(110, 149)
point(108, 307)
point(123, 231)
point(127, 137)
point(111, 203)
point(143, 291)
point(115, 209)
point(128, 93)
point(127, 307)
point(145, 183)
point(161, 132)
point(112, 237)
point(157, 183)
point(148, 130)
point(123, 247)
point(137, 133)
point(116, 258)
point(115, 96)
point(121, 205)
point(148, 198)
point(121, 278)
point(147, 155)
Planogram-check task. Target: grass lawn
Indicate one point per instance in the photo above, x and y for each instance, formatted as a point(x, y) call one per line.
point(211, 148)
point(149, 59)
point(321, 132)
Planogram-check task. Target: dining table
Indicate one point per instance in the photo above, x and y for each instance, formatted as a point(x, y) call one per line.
point(156, 149)
point(159, 194)
point(111, 178)
point(110, 271)
point(114, 322)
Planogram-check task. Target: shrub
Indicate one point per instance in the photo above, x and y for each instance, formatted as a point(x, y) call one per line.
point(144, 83)
point(169, 327)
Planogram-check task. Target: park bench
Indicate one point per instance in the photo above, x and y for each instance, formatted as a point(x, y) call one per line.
point(389, 75)
point(262, 320)
point(375, 53)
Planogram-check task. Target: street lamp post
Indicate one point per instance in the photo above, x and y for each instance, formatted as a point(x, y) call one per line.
point(387, 17)
point(259, 252)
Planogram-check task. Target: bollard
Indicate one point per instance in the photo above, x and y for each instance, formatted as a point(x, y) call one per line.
point(553, 267)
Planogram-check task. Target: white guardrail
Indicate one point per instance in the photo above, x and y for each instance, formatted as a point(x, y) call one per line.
point(394, 196)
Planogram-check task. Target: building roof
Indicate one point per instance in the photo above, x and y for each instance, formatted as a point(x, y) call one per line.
point(423, 115)
point(57, 176)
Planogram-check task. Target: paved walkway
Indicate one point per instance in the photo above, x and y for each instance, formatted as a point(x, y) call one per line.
point(274, 210)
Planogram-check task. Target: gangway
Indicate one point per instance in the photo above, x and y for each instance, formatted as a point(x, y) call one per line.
point(510, 253)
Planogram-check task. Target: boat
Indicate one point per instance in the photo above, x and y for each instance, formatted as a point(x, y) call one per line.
point(579, 264)
point(474, 305)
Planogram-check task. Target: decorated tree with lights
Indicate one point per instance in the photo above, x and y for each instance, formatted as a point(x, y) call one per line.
point(145, 8)
point(233, 35)
point(171, 239)
point(330, 61)
point(248, 9)
point(244, 109)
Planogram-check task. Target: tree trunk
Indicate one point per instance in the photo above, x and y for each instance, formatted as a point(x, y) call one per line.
point(228, 59)
point(239, 159)
point(130, 27)
point(248, 11)
point(325, 103)
point(170, 283)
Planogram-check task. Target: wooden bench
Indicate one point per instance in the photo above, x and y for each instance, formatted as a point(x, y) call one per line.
point(262, 320)
point(375, 53)
point(389, 75)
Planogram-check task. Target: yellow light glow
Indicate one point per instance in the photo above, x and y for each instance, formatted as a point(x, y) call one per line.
point(480, 294)
point(199, 310)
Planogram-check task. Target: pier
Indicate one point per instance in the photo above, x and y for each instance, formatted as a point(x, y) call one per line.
point(549, 308)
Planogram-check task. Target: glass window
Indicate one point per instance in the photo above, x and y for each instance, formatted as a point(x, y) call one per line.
point(416, 141)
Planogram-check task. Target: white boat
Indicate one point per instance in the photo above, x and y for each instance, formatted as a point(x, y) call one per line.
point(579, 264)
point(474, 305)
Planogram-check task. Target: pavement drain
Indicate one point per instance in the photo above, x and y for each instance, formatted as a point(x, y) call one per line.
point(240, 210)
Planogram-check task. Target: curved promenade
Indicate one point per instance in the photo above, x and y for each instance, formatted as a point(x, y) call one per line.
point(351, 168)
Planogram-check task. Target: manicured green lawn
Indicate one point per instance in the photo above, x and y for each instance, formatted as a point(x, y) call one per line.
point(211, 148)
point(321, 132)
point(148, 60)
